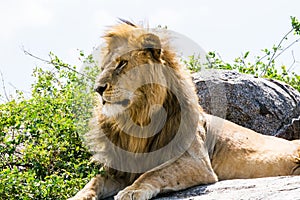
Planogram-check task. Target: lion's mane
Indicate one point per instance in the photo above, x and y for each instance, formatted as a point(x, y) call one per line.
point(106, 134)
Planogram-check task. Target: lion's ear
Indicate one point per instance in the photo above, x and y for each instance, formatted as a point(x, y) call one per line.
point(151, 42)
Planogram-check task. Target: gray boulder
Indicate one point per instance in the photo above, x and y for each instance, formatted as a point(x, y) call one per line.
point(266, 106)
point(275, 188)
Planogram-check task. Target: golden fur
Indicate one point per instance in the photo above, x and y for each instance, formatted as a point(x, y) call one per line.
point(207, 149)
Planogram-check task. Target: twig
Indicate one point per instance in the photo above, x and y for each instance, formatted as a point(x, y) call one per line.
point(3, 87)
point(283, 50)
point(220, 57)
point(38, 58)
point(260, 59)
point(209, 61)
point(294, 61)
point(243, 60)
point(12, 86)
point(279, 45)
point(53, 63)
point(275, 51)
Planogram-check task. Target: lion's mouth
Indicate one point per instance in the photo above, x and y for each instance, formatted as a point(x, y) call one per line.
point(124, 102)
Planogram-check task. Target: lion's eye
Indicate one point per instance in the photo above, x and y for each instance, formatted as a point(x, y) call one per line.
point(121, 65)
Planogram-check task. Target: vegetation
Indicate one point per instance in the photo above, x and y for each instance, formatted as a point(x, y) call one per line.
point(263, 66)
point(41, 151)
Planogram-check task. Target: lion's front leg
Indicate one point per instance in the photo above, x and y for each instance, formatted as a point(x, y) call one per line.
point(187, 171)
point(99, 187)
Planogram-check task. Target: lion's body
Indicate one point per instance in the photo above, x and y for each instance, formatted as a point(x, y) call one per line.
point(149, 150)
point(242, 153)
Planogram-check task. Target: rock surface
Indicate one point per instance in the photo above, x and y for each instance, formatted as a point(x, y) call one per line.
point(266, 106)
point(275, 188)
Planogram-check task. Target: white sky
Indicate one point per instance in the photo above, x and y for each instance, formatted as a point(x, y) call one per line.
point(228, 27)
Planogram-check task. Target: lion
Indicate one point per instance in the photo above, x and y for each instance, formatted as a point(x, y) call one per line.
point(151, 135)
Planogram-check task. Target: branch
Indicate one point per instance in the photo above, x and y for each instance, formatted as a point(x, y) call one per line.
point(243, 60)
point(260, 59)
point(294, 61)
point(220, 57)
point(55, 64)
point(208, 60)
point(275, 51)
point(3, 87)
point(283, 50)
point(11, 85)
point(279, 45)
point(38, 58)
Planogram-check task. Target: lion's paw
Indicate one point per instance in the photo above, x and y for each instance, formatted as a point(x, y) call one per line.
point(130, 194)
point(85, 195)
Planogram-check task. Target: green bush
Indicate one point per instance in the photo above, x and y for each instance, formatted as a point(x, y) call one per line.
point(263, 66)
point(41, 150)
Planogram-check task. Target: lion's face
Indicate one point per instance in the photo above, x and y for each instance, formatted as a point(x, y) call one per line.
point(129, 78)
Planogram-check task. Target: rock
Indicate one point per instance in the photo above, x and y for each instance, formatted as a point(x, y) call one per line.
point(266, 106)
point(291, 130)
point(275, 188)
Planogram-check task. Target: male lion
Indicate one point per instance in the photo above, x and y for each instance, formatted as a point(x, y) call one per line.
point(151, 135)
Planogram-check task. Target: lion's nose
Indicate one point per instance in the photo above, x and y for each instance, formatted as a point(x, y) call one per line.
point(100, 89)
